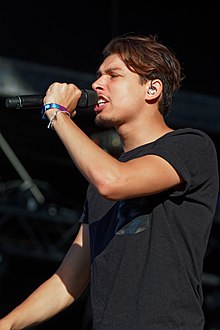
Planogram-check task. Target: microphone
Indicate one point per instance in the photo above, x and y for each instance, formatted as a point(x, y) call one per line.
point(88, 99)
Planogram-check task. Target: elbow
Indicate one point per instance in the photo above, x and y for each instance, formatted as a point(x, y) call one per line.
point(109, 188)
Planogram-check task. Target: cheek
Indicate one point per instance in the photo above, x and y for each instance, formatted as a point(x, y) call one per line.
point(132, 100)
point(127, 96)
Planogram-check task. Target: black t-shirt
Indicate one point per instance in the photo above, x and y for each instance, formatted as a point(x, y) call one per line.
point(147, 253)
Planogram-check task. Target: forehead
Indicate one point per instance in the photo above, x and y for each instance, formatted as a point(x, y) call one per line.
point(112, 62)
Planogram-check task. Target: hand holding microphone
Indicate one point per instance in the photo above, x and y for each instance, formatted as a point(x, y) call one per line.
point(64, 95)
point(88, 99)
point(60, 98)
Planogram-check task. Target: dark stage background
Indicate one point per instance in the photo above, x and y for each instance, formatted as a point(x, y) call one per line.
point(61, 42)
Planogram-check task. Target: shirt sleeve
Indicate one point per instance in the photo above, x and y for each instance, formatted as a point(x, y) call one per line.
point(192, 154)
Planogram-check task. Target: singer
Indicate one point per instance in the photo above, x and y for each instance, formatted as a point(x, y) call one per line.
point(147, 215)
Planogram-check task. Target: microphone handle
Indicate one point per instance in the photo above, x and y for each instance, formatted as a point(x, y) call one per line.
point(24, 101)
point(88, 99)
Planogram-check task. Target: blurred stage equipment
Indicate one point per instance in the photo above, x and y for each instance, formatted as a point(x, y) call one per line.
point(31, 223)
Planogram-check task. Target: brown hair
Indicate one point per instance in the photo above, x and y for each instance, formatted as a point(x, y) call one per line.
point(150, 59)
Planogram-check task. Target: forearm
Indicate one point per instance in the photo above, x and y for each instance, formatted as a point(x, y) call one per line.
point(96, 165)
point(47, 300)
point(59, 291)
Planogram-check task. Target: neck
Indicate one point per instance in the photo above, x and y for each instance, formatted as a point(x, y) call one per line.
point(140, 133)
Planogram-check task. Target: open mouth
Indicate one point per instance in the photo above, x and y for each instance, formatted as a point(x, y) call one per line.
point(102, 101)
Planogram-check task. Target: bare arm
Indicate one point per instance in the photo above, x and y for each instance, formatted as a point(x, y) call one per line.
point(113, 179)
point(58, 292)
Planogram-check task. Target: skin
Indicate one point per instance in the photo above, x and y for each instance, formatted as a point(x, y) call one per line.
point(134, 113)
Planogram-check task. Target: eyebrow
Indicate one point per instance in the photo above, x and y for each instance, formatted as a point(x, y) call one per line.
point(107, 71)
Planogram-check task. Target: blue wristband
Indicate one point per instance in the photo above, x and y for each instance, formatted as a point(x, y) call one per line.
point(52, 106)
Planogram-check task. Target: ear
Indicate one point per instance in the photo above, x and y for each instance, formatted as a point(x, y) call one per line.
point(153, 89)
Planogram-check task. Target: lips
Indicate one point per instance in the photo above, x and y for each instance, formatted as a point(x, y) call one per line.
point(102, 101)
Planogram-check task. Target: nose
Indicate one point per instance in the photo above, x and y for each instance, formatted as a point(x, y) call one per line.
point(98, 84)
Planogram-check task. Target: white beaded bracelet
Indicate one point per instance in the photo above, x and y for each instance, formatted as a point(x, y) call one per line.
point(54, 117)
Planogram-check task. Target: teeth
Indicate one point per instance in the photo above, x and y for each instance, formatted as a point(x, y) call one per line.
point(101, 102)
